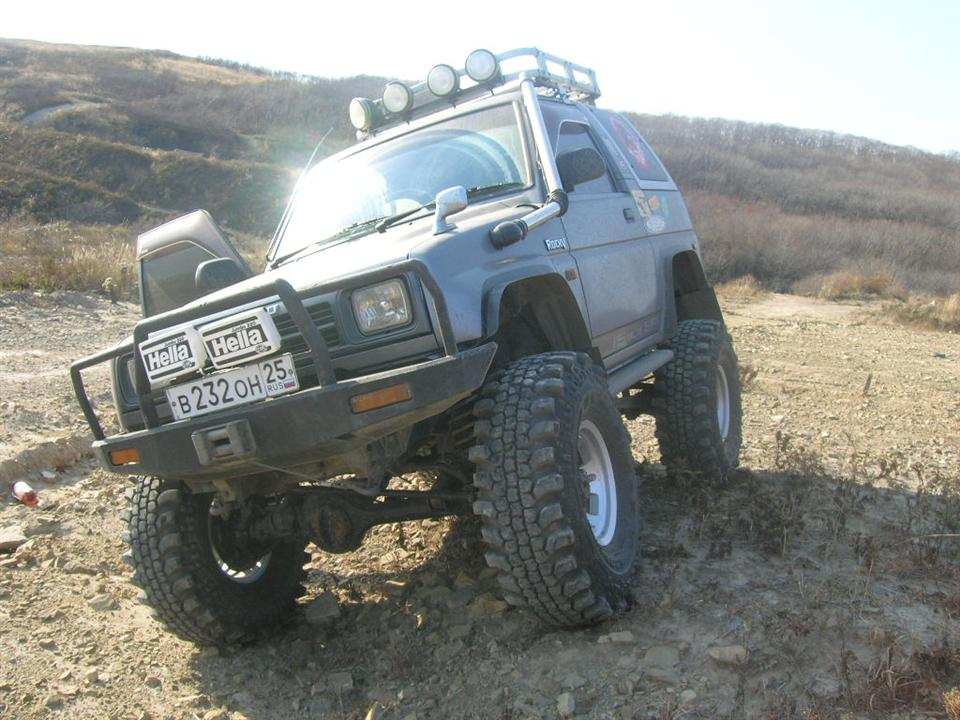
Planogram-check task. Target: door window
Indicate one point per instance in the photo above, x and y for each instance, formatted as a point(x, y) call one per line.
point(568, 129)
point(168, 277)
point(576, 135)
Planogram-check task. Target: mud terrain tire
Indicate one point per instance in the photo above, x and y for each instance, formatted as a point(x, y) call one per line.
point(687, 393)
point(172, 554)
point(533, 496)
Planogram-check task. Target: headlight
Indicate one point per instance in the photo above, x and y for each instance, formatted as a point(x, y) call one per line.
point(382, 306)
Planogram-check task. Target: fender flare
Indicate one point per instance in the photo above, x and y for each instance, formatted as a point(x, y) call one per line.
point(693, 297)
point(496, 287)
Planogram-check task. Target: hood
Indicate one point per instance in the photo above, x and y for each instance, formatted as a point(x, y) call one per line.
point(374, 250)
point(328, 263)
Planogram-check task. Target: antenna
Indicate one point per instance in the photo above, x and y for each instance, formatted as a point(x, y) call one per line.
point(286, 211)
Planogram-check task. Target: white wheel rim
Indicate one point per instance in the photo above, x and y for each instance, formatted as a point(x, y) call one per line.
point(241, 577)
point(723, 403)
point(597, 468)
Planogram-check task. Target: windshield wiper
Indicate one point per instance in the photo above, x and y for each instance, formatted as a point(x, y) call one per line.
point(348, 230)
point(490, 189)
point(392, 220)
point(388, 221)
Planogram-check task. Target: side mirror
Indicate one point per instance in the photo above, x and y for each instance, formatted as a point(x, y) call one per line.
point(579, 166)
point(218, 273)
point(449, 202)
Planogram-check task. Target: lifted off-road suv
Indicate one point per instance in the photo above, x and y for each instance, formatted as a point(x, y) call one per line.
point(495, 354)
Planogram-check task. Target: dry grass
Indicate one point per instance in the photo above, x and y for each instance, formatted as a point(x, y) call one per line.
point(848, 285)
point(780, 248)
point(742, 289)
point(951, 704)
point(903, 680)
point(67, 256)
point(933, 313)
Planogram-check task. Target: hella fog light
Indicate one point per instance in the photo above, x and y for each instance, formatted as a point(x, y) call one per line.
point(442, 80)
point(362, 113)
point(382, 306)
point(482, 66)
point(397, 98)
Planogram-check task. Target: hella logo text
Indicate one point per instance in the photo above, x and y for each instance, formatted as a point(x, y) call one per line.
point(249, 336)
point(177, 353)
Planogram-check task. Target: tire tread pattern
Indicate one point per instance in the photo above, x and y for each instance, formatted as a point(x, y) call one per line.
point(684, 397)
point(169, 553)
point(525, 524)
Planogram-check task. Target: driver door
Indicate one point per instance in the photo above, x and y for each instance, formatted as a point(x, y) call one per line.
point(604, 232)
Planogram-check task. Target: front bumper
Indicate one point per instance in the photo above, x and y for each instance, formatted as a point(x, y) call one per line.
point(290, 430)
point(305, 427)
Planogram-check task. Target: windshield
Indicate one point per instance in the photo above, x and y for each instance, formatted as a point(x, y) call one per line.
point(479, 150)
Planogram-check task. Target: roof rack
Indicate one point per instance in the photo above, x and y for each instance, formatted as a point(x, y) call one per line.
point(551, 72)
point(547, 70)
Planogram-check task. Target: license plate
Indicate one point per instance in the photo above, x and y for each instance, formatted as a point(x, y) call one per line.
point(247, 384)
point(240, 338)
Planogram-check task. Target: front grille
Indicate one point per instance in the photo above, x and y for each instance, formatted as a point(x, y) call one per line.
point(292, 341)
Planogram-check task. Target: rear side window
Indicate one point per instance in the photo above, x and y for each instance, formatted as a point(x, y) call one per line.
point(641, 158)
point(168, 277)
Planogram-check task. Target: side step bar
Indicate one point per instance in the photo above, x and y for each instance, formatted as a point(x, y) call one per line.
point(636, 370)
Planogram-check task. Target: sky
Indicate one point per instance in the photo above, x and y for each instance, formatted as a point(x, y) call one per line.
point(881, 69)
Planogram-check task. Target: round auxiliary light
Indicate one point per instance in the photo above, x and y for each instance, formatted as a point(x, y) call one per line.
point(442, 80)
point(397, 98)
point(362, 113)
point(482, 66)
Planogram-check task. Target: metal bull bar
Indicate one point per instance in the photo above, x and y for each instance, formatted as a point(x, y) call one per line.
point(266, 289)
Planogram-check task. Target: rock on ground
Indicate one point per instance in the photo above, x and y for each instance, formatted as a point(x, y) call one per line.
point(11, 538)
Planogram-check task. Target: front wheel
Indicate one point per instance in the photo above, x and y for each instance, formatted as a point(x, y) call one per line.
point(698, 404)
point(201, 579)
point(557, 491)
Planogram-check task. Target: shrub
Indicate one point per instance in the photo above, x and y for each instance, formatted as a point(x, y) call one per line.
point(741, 289)
point(934, 313)
point(847, 285)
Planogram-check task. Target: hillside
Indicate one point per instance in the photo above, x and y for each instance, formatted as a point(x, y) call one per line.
point(789, 205)
point(94, 137)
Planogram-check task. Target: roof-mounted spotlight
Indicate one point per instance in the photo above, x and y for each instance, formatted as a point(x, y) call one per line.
point(397, 98)
point(363, 114)
point(443, 80)
point(482, 66)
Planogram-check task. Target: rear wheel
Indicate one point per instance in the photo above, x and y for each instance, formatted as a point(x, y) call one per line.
point(557, 488)
point(698, 404)
point(201, 580)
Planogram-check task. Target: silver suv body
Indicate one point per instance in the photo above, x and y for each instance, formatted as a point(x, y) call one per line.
point(467, 231)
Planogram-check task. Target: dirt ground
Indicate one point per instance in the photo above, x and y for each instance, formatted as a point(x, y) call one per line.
point(821, 582)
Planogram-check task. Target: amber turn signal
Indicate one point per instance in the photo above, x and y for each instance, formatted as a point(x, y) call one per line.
point(126, 456)
point(380, 398)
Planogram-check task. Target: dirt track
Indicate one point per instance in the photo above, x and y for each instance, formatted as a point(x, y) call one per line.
point(811, 584)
